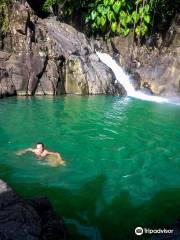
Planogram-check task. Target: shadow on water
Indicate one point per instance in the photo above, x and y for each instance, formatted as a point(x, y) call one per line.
point(114, 220)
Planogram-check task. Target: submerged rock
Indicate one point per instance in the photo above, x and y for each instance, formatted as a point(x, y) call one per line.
point(33, 219)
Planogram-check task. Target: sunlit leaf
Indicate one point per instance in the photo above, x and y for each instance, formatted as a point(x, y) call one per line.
point(103, 21)
point(93, 14)
point(116, 7)
point(147, 19)
point(111, 16)
point(114, 27)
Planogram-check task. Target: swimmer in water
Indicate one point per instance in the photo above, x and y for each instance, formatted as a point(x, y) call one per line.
point(40, 152)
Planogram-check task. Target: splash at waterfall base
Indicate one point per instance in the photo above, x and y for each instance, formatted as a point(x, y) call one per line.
point(124, 80)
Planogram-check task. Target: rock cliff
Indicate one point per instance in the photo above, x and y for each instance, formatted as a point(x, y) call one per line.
point(46, 57)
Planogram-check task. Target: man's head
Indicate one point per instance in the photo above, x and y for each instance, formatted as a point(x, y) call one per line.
point(40, 147)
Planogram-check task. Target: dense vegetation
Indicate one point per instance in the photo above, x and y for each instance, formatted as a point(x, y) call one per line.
point(114, 17)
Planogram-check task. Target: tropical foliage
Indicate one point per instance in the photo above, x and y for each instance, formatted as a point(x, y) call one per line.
point(117, 16)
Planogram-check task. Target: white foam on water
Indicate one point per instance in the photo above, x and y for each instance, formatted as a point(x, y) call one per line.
point(124, 80)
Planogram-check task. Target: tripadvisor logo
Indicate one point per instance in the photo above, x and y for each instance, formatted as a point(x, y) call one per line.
point(139, 231)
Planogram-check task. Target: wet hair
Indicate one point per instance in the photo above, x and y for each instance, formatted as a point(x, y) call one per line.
point(40, 143)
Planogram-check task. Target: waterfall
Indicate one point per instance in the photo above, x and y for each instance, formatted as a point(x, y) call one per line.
point(124, 80)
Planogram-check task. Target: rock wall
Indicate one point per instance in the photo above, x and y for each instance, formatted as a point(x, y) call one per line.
point(47, 57)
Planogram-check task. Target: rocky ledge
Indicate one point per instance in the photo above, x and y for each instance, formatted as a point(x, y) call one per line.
point(28, 220)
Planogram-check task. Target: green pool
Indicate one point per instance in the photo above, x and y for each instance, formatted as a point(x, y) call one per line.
point(123, 161)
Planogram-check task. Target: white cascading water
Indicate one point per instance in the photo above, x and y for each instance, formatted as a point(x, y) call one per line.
point(124, 79)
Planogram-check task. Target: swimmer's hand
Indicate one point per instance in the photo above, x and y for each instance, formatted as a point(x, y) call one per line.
point(55, 162)
point(57, 155)
point(21, 152)
point(62, 162)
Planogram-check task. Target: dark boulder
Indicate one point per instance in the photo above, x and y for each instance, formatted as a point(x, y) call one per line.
point(28, 220)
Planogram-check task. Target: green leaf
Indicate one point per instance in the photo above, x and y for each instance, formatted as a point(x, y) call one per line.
point(123, 2)
point(103, 21)
point(118, 30)
point(116, 7)
point(111, 2)
point(135, 16)
point(47, 4)
point(143, 29)
point(94, 26)
point(138, 1)
point(106, 2)
point(122, 14)
point(129, 19)
point(147, 19)
point(138, 30)
point(141, 11)
point(93, 15)
point(114, 27)
point(126, 31)
point(98, 21)
point(111, 16)
point(123, 22)
point(146, 8)
point(101, 9)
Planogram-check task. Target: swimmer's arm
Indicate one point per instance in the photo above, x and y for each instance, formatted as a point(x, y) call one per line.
point(57, 155)
point(25, 151)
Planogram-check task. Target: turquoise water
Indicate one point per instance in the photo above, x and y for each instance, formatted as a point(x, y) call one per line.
point(123, 161)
